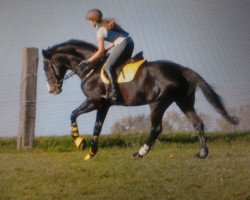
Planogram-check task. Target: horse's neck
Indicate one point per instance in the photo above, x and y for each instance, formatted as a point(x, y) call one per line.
point(85, 73)
point(74, 60)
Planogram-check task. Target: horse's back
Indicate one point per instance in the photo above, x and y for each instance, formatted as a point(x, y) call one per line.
point(154, 81)
point(163, 72)
point(164, 66)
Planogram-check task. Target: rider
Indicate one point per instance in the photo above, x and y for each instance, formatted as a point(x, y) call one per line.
point(108, 30)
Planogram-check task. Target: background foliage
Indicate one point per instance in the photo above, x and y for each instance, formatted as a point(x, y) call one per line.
point(177, 122)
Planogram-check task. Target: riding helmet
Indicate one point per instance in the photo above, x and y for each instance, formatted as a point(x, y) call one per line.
point(94, 14)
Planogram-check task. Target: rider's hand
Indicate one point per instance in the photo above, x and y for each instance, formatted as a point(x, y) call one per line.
point(83, 63)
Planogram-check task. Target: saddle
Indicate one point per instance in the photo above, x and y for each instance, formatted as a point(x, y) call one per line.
point(126, 73)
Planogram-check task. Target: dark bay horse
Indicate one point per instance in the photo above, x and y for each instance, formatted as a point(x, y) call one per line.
point(157, 83)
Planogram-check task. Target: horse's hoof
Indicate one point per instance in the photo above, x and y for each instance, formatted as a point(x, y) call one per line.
point(203, 153)
point(80, 143)
point(136, 155)
point(88, 156)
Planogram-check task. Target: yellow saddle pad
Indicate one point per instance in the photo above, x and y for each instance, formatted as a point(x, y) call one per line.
point(127, 73)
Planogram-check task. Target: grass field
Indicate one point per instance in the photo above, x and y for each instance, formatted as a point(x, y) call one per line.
point(54, 169)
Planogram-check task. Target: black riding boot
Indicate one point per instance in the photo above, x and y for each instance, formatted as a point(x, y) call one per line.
point(114, 90)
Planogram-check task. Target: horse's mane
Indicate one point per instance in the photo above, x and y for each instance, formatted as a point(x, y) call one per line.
point(77, 43)
point(70, 47)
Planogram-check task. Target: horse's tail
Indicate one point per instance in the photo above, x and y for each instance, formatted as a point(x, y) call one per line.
point(212, 97)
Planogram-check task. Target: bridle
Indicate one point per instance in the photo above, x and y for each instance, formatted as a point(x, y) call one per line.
point(59, 81)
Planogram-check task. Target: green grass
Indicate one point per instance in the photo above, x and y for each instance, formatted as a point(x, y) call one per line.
point(54, 169)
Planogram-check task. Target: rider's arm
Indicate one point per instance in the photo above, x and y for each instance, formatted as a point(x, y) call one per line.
point(100, 51)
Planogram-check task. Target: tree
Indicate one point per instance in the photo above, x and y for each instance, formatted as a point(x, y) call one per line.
point(138, 124)
point(178, 122)
point(129, 124)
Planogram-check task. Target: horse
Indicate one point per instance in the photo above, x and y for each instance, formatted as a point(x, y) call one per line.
point(156, 83)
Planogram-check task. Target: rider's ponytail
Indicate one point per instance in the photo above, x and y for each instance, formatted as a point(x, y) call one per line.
point(110, 24)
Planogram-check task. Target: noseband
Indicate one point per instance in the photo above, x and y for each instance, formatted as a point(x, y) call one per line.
point(59, 82)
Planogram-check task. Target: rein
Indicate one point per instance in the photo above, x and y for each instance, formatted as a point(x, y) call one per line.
point(59, 82)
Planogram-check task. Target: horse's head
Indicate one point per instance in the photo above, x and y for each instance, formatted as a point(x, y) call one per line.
point(55, 70)
point(61, 57)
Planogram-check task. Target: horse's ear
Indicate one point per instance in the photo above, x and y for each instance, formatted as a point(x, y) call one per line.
point(46, 53)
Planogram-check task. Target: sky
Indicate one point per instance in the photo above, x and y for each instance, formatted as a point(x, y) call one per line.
point(210, 36)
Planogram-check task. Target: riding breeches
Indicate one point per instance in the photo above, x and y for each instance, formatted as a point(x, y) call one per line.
point(120, 54)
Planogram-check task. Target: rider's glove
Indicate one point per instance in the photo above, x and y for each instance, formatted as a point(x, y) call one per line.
point(83, 63)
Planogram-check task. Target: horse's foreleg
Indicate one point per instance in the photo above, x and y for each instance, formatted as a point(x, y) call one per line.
point(85, 107)
point(79, 141)
point(100, 117)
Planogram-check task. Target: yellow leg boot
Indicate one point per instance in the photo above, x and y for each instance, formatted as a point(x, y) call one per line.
point(94, 148)
point(79, 141)
point(89, 155)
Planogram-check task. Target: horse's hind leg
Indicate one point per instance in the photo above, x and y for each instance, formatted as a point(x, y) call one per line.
point(157, 112)
point(187, 107)
point(199, 127)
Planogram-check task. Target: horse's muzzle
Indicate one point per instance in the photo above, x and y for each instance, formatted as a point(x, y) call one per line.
point(54, 90)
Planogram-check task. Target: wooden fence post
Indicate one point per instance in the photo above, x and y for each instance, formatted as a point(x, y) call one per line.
point(28, 85)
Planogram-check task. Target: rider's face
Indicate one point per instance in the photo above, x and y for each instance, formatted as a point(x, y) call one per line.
point(92, 23)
